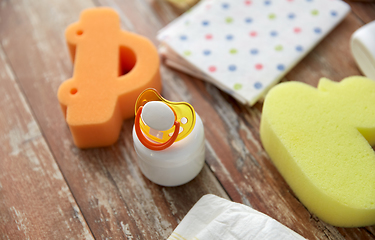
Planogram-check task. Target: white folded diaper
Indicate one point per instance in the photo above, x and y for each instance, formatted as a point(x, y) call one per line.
point(216, 218)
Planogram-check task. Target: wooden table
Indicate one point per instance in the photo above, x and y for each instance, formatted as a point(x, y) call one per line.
point(49, 189)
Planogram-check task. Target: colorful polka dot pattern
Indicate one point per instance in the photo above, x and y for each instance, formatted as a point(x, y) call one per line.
point(248, 45)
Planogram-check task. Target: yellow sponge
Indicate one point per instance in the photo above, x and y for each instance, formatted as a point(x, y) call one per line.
point(319, 139)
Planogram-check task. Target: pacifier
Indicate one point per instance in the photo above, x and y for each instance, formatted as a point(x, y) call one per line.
point(159, 122)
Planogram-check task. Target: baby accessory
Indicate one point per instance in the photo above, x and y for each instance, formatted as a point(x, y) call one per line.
point(111, 68)
point(168, 138)
point(216, 218)
point(245, 47)
point(320, 140)
point(363, 49)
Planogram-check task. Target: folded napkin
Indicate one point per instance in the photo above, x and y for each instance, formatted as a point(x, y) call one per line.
point(213, 217)
point(245, 47)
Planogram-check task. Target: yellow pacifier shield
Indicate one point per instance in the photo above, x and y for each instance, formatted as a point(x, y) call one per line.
point(184, 113)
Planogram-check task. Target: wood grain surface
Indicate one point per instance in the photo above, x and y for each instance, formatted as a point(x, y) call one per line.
point(49, 189)
point(31, 183)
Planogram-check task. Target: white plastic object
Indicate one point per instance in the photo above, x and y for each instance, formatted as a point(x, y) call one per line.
point(363, 49)
point(158, 115)
point(176, 165)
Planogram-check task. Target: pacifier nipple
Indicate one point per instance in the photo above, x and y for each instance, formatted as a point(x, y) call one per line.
point(158, 115)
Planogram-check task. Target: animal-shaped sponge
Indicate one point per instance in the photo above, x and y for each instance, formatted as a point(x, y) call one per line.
point(111, 68)
point(320, 141)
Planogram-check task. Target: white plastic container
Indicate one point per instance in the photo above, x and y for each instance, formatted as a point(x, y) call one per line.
point(176, 165)
point(363, 49)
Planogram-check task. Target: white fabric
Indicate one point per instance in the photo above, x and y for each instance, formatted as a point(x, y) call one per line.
point(215, 218)
point(245, 47)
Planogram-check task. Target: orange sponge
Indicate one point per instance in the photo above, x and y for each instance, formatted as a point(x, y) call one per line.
point(111, 68)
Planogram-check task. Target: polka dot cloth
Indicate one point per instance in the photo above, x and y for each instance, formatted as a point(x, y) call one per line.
point(246, 46)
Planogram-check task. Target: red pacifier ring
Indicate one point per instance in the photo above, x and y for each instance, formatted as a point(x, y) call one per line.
point(151, 145)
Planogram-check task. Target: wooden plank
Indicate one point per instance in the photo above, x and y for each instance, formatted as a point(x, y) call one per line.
point(236, 155)
point(117, 201)
point(35, 201)
point(365, 10)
